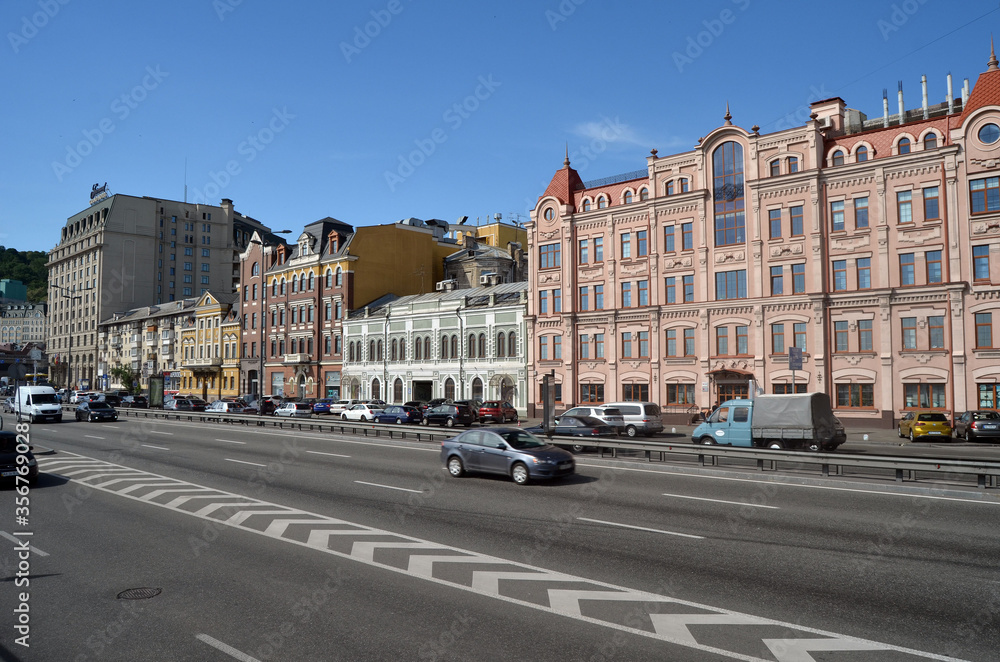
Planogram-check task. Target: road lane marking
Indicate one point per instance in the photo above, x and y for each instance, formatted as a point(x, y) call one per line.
point(389, 487)
point(641, 528)
point(242, 462)
point(732, 503)
point(90, 436)
point(159, 448)
point(34, 550)
point(332, 454)
point(555, 593)
point(230, 441)
point(225, 648)
point(160, 432)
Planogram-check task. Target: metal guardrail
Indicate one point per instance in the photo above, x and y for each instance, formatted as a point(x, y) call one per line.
point(987, 473)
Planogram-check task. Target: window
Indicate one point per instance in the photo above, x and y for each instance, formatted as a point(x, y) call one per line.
point(731, 285)
point(583, 251)
point(635, 392)
point(685, 185)
point(931, 210)
point(988, 395)
point(909, 326)
point(598, 297)
point(840, 336)
point(598, 345)
point(543, 348)
point(688, 342)
point(643, 337)
point(586, 205)
point(777, 281)
point(727, 165)
point(205, 266)
point(903, 146)
point(933, 260)
point(670, 188)
point(839, 275)
point(775, 168)
point(688, 282)
point(671, 342)
point(338, 310)
point(188, 250)
point(865, 336)
point(670, 289)
point(680, 394)
point(557, 300)
point(861, 212)
point(591, 393)
point(626, 295)
point(799, 332)
point(935, 329)
point(598, 249)
point(924, 396)
point(543, 302)
point(985, 195)
point(628, 197)
point(188, 266)
point(838, 158)
point(837, 215)
point(626, 245)
point(548, 256)
point(855, 396)
point(796, 217)
point(642, 243)
point(989, 134)
point(864, 265)
point(643, 291)
point(668, 239)
point(981, 263)
point(777, 338)
point(644, 194)
point(786, 389)
point(687, 236)
point(984, 330)
point(904, 206)
point(602, 202)
point(798, 278)
point(742, 340)
point(861, 153)
point(722, 341)
point(907, 269)
point(793, 164)
point(774, 223)
point(339, 277)
point(584, 346)
point(584, 298)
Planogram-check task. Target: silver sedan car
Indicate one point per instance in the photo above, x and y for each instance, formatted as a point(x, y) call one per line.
point(510, 452)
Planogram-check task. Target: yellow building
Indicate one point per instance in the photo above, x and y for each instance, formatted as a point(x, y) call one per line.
point(210, 341)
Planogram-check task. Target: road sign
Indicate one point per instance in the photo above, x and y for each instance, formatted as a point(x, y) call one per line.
point(795, 358)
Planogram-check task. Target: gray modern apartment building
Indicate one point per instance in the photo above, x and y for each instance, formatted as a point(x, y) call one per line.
point(124, 252)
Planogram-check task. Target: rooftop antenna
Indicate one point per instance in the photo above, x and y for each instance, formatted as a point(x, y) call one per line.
point(185, 179)
point(498, 217)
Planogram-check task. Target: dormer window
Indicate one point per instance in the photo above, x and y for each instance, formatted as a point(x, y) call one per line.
point(838, 158)
point(586, 205)
point(862, 154)
point(904, 146)
point(602, 202)
point(304, 248)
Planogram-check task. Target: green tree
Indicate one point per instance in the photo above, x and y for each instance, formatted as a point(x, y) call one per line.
point(125, 376)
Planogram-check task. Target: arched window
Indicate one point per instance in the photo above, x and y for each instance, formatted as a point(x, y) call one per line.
point(255, 269)
point(454, 347)
point(449, 389)
point(477, 388)
point(444, 347)
point(371, 350)
point(628, 197)
point(282, 288)
point(472, 346)
point(402, 349)
point(670, 188)
point(376, 391)
point(427, 348)
point(340, 277)
point(482, 346)
point(775, 168)
point(501, 346)
point(274, 288)
point(397, 390)
point(350, 352)
point(904, 145)
point(644, 194)
point(602, 202)
point(312, 282)
point(838, 158)
point(294, 284)
point(862, 153)
point(727, 166)
point(329, 279)
point(930, 141)
point(511, 345)
point(417, 347)
point(586, 205)
point(379, 345)
point(393, 354)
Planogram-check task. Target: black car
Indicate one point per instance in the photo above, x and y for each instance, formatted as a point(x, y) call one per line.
point(399, 414)
point(450, 415)
point(112, 399)
point(431, 404)
point(577, 426)
point(96, 411)
point(8, 459)
point(978, 425)
point(135, 402)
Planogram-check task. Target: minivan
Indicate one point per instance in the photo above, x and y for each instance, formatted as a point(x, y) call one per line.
point(640, 417)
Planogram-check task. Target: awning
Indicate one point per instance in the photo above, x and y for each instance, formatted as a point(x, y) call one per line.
point(734, 371)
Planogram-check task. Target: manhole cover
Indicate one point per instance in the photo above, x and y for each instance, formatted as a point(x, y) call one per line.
point(139, 593)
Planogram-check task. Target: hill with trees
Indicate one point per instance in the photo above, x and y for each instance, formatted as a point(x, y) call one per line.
point(29, 267)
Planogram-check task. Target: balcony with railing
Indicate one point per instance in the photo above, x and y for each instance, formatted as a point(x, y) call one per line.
point(301, 357)
point(211, 362)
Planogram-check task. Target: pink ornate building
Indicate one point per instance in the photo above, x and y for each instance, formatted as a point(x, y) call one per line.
point(873, 245)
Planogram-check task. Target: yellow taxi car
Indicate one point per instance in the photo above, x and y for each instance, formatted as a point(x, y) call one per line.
point(924, 423)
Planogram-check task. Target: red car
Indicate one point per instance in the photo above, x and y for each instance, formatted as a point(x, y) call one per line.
point(498, 412)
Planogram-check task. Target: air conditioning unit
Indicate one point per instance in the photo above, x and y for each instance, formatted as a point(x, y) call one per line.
point(439, 286)
point(445, 285)
point(485, 279)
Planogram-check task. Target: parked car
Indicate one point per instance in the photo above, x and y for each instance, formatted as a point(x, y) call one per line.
point(184, 404)
point(79, 396)
point(450, 415)
point(436, 402)
point(640, 417)
point(338, 407)
point(112, 399)
point(608, 415)
point(96, 411)
point(294, 409)
point(225, 407)
point(497, 411)
point(9, 404)
point(361, 412)
point(578, 426)
point(381, 404)
point(510, 452)
point(922, 423)
point(135, 402)
point(399, 414)
point(474, 404)
point(322, 406)
point(419, 404)
point(978, 425)
point(8, 458)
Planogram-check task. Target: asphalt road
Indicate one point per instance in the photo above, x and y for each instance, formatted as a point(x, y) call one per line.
point(367, 550)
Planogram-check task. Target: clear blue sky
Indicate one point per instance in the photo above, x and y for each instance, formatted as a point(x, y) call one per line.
point(312, 116)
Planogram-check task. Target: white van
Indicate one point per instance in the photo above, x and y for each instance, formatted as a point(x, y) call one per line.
point(640, 417)
point(37, 403)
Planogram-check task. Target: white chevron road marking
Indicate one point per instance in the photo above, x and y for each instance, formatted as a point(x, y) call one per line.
point(669, 628)
point(244, 515)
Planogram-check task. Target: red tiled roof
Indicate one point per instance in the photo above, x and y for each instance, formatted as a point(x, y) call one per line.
point(985, 93)
point(564, 182)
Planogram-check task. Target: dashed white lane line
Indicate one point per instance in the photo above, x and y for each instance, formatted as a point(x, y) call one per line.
point(226, 648)
point(389, 487)
point(331, 454)
point(242, 462)
point(19, 541)
point(641, 528)
point(159, 448)
point(160, 432)
point(90, 436)
point(230, 441)
point(732, 503)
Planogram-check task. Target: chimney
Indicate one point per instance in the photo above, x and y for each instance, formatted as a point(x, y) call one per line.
point(923, 87)
point(951, 97)
point(902, 108)
point(885, 108)
point(965, 94)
